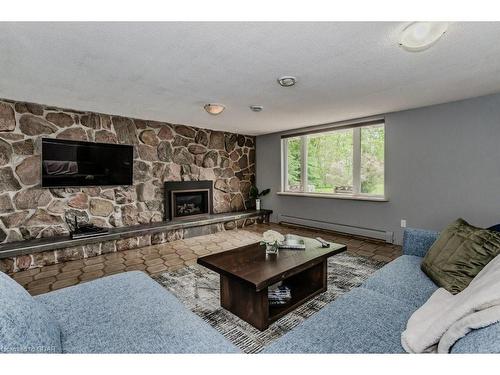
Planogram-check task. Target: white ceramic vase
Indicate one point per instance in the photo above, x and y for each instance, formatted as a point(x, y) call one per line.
point(257, 204)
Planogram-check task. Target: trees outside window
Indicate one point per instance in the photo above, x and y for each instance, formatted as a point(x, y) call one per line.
point(294, 176)
point(345, 161)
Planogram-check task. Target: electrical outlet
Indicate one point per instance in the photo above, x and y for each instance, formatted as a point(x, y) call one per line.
point(403, 223)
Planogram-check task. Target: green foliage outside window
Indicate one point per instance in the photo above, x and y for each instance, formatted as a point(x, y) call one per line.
point(330, 161)
point(294, 160)
point(372, 160)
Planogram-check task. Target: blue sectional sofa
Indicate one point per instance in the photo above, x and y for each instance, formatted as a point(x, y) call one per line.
point(124, 313)
point(371, 318)
point(130, 313)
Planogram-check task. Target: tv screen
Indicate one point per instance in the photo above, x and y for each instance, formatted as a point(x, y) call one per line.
point(75, 163)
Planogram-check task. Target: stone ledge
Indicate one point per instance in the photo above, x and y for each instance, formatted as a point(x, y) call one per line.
point(15, 249)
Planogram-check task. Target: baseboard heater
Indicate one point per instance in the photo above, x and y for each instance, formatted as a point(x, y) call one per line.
point(342, 228)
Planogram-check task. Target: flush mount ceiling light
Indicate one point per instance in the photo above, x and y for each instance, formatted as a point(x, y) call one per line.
point(418, 36)
point(256, 108)
point(287, 81)
point(214, 108)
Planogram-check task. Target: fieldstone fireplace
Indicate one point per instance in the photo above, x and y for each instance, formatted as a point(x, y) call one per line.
point(33, 230)
point(188, 199)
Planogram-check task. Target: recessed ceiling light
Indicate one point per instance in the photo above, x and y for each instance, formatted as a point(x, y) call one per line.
point(214, 108)
point(419, 36)
point(287, 81)
point(256, 108)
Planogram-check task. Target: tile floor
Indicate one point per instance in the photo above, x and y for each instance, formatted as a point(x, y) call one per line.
point(174, 255)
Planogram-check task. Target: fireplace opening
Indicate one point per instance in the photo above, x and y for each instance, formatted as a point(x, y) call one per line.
point(186, 199)
point(190, 203)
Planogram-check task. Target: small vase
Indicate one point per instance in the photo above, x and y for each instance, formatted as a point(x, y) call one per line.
point(257, 204)
point(272, 248)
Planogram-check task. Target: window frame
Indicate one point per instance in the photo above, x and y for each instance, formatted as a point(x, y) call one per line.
point(356, 194)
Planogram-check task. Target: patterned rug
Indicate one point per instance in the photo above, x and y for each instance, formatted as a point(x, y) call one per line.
point(198, 289)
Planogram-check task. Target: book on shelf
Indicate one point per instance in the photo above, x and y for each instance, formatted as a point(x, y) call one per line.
point(279, 296)
point(292, 242)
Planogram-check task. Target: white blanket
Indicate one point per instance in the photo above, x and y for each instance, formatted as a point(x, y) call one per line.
point(445, 317)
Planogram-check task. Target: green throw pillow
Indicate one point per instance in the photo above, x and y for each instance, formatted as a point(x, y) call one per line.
point(460, 252)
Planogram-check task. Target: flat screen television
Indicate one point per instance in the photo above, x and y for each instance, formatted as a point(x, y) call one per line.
point(75, 163)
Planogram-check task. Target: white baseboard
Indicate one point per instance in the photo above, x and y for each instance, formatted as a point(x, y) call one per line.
point(386, 236)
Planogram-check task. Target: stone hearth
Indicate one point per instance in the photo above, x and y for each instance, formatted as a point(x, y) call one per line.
point(36, 253)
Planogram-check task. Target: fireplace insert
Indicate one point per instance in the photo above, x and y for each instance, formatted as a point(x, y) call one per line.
point(189, 202)
point(188, 199)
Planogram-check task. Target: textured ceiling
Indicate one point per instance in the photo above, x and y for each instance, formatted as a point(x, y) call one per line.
point(167, 71)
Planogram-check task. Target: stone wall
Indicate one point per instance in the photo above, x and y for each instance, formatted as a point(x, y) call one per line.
point(163, 152)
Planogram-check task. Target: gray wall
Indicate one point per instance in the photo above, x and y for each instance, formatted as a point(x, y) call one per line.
point(442, 162)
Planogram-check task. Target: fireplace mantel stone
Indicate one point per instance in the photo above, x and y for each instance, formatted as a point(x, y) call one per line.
point(22, 255)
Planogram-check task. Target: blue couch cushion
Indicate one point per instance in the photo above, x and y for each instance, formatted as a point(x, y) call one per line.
point(402, 279)
point(361, 321)
point(484, 340)
point(496, 228)
point(25, 324)
point(129, 313)
point(418, 241)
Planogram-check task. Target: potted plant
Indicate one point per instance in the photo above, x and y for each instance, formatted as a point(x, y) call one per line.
point(256, 194)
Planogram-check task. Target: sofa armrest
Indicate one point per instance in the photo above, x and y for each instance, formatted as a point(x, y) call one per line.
point(482, 340)
point(418, 241)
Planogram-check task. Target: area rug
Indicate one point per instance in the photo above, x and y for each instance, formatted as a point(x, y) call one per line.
point(198, 289)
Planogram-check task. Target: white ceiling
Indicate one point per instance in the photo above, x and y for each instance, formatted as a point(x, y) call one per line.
point(167, 71)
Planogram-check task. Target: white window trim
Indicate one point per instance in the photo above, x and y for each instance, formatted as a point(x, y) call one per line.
point(349, 197)
point(356, 195)
point(284, 164)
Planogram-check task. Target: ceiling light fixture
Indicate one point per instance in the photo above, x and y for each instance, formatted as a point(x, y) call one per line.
point(256, 108)
point(287, 81)
point(418, 36)
point(214, 108)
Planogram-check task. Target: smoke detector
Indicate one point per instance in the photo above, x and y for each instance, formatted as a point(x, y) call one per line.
point(287, 81)
point(418, 36)
point(256, 108)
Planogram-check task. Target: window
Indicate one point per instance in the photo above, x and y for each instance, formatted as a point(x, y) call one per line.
point(347, 161)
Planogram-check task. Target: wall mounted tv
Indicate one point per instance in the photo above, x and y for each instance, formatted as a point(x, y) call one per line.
point(75, 163)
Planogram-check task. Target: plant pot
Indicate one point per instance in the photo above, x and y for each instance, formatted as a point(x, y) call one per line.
point(257, 204)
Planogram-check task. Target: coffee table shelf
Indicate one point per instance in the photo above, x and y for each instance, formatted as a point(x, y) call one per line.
point(303, 287)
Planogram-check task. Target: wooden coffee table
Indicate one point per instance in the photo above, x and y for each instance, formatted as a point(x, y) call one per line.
point(247, 272)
